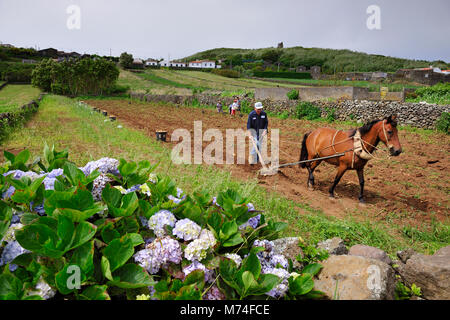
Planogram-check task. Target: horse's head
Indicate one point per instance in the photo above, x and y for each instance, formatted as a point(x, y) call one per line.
point(389, 135)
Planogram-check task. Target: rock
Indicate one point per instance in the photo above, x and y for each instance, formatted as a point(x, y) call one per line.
point(405, 254)
point(369, 252)
point(333, 246)
point(430, 273)
point(347, 277)
point(289, 248)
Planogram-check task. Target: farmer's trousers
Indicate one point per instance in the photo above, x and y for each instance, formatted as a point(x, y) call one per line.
point(253, 154)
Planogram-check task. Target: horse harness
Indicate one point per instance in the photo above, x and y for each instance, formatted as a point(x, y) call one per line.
point(358, 146)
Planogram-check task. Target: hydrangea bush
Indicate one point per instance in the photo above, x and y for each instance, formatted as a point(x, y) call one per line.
point(114, 230)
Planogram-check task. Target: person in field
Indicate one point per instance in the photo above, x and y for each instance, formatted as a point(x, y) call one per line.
point(257, 124)
point(219, 107)
point(234, 108)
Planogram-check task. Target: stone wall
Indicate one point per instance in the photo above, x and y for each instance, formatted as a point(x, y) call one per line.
point(414, 114)
point(318, 93)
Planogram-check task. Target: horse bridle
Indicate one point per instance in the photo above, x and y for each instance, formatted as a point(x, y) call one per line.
point(387, 140)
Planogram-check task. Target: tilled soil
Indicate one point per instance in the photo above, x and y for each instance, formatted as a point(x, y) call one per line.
point(405, 189)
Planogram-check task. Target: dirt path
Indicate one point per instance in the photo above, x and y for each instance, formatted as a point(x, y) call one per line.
point(406, 189)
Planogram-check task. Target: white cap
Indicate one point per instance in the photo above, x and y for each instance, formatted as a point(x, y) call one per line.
point(258, 105)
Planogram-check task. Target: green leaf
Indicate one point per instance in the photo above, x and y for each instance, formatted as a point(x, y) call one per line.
point(106, 270)
point(301, 285)
point(252, 264)
point(131, 276)
point(111, 196)
point(95, 292)
point(228, 229)
point(22, 157)
point(196, 277)
point(136, 238)
point(66, 279)
point(266, 283)
point(249, 282)
point(8, 155)
point(11, 288)
point(312, 268)
point(84, 232)
point(234, 240)
point(118, 252)
point(83, 257)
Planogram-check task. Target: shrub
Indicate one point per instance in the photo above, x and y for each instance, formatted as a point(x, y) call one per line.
point(287, 75)
point(131, 234)
point(331, 114)
point(284, 115)
point(76, 77)
point(126, 60)
point(308, 111)
point(16, 72)
point(293, 94)
point(443, 123)
point(226, 73)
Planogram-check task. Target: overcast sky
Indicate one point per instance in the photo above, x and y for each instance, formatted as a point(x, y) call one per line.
point(415, 29)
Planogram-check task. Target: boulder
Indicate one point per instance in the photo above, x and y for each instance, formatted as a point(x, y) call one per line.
point(289, 248)
point(346, 277)
point(430, 273)
point(333, 246)
point(369, 252)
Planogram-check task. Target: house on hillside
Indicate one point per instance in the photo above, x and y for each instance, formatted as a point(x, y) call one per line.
point(48, 53)
point(151, 63)
point(178, 64)
point(202, 64)
point(137, 64)
point(430, 76)
point(28, 61)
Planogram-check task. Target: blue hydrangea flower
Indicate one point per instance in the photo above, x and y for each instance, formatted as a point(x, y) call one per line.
point(99, 184)
point(214, 294)
point(103, 165)
point(43, 290)
point(12, 250)
point(158, 254)
point(159, 220)
point(253, 222)
point(186, 229)
point(250, 207)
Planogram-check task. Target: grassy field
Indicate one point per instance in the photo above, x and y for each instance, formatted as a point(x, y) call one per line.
point(363, 84)
point(15, 96)
point(162, 81)
point(60, 121)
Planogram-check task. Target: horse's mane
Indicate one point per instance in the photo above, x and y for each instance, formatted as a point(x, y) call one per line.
point(365, 128)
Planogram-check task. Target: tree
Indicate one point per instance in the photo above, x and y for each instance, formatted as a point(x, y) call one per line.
point(271, 55)
point(126, 60)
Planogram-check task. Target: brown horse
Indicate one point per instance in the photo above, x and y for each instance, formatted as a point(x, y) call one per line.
point(324, 142)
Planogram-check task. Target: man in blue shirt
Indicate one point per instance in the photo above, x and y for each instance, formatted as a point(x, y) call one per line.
point(257, 124)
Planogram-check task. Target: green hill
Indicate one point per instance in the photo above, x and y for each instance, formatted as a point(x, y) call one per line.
point(330, 60)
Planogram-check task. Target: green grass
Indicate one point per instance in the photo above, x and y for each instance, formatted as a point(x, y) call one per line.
point(393, 87)
point(14, 96)
point(60, 121)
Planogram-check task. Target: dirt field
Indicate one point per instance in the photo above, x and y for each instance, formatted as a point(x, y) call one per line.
point(410, 189)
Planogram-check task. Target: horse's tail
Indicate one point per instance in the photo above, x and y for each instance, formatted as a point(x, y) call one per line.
point(304, 151)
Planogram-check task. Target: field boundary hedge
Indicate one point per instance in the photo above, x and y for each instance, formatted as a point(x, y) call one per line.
point(286, 75)
point(10, 120)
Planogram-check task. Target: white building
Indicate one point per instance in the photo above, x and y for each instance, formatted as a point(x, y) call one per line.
point(202, 64)
point(166, 63)
point(151, 62)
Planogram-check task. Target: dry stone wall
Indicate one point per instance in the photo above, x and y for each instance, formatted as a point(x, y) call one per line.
point(419, 115)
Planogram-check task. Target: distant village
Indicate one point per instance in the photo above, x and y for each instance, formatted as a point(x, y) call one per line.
point(427, 76)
